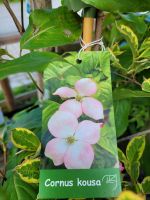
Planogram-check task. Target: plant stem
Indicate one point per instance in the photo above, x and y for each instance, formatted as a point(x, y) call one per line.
point(130, 79)
point(134, 135)
point(16, 21)
point(22, 17)
point(34, 82)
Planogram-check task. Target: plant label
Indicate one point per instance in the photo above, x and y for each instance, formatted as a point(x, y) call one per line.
point(79, 138)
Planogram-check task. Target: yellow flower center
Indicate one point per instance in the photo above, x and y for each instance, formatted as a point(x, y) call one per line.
point(78, 98)
point(70, 140)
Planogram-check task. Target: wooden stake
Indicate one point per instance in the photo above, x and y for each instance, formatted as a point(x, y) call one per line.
point(8, 94)
point(98, 28)
point(88, 24)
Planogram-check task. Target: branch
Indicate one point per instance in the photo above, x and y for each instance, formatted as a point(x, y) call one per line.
point(129, 79)
point(16, 21)
point(134, 135)
point(98, 29)
point(22, 17)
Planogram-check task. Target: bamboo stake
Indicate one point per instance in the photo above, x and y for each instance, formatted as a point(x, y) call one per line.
point(88, 26)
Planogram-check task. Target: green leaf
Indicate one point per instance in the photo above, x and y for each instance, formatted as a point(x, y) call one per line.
point(3, 52)
point(19, 190)
point(31, 62)
point(136, 22)
point(116, 61)
point(139, 187)
point(49, 28)
point(13, 161)
point(135, 149)
point(71, 80)
point(116, 5)
point(134, 170)
point(108, 135)
point(145, 53)
point(48, 111)
point(105, 62)
point(108, 140)
point(25, 139)
point(141, 65)
point(122, 156)
point(122, 110)
point(29, 170)
point(146, 185)
point(3, 195)
point(145, 44)
point(27, 119)
point(104, 93)
point(74, 5)
point(146, 85)
point(103, 158)
point(131, 38)
point(56, 69)
point(123, 93)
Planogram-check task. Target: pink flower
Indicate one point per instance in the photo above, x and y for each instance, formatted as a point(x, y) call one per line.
point(73, 141)
point(82, 102)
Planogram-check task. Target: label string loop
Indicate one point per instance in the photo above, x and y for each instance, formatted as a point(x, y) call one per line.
point(85, 46)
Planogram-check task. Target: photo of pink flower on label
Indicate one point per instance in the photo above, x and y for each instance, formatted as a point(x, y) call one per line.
point(73, 143)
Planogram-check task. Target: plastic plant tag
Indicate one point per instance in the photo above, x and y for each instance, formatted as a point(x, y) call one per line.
point(80, 151)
